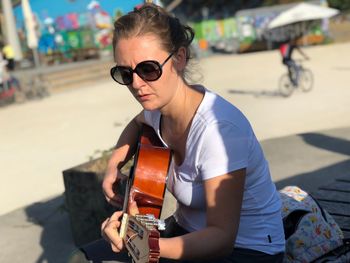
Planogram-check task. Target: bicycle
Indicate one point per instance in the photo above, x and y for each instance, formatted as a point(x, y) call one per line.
point(303, 77)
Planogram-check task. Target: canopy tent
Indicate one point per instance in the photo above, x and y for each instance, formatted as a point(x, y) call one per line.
point(301, 13)
point(8, 26)
point(30, 25)
point(296, 21)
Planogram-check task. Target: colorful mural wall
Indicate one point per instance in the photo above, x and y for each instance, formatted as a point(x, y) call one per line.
point(76, 31)
point(246, 31)
point(66, 27)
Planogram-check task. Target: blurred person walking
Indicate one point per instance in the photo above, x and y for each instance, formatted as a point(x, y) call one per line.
point(9, 55)
point(3, 73)
point(7, 64)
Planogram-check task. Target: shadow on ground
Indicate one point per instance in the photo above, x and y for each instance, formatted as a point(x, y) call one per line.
point(318, 148)
point(330, 143)
point(56, 238)
point(311, 181)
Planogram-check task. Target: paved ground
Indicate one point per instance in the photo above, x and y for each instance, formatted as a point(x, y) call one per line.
point(306, 139)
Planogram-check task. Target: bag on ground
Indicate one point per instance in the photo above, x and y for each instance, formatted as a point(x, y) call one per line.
point(310, 231)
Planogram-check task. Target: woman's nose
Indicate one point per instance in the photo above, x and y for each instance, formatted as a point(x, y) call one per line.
point(137, 81)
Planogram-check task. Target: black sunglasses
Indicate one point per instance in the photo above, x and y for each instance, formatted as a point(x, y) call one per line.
point(149, 70)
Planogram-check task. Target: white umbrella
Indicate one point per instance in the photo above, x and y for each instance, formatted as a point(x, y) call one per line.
point(29, 22)
point(30, 25)
point(8, 25)
point(301, 13)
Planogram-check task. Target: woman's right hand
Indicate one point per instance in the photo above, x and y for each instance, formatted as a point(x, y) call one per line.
point(110, 183)
point(124, 150)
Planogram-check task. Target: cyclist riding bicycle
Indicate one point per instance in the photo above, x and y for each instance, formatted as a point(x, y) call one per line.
point(286, 50)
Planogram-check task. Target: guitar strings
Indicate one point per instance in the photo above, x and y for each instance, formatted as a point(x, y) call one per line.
point(131, 237)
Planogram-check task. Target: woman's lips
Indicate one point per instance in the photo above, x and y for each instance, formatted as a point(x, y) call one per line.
point(144, 97)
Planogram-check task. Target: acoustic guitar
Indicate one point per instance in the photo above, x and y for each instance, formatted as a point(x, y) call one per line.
point(146, 185)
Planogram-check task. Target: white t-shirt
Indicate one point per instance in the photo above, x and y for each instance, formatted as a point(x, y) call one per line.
point(220, 141)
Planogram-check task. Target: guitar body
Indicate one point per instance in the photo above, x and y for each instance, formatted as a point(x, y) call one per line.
point(147, 180)
point(146, 185)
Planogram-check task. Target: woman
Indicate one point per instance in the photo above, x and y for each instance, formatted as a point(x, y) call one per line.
point(228, 207)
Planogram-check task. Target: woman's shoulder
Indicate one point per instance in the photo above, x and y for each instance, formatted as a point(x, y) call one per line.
point(216, 109)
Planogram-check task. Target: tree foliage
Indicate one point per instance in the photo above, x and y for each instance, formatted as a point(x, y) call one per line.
point(340, 4)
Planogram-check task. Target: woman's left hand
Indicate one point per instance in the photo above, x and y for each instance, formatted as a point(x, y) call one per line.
point(110, 227)
point(109, 231)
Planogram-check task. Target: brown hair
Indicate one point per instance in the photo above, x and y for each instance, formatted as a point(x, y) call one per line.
point(152, 19)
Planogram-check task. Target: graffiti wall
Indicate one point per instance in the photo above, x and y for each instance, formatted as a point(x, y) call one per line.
point(246, 31)
point(65, 26)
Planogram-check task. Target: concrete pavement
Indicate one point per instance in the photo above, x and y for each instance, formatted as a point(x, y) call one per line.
point(305, 137)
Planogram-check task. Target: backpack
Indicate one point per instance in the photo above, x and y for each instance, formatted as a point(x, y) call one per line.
point(310, 231)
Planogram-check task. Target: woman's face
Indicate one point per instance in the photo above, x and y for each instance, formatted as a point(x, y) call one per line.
point(150, 94)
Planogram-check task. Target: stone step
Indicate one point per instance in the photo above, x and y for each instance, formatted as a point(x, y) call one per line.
point(75, 77)
point(67, 76)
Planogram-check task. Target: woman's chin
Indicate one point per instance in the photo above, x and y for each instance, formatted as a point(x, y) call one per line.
point(148, 106)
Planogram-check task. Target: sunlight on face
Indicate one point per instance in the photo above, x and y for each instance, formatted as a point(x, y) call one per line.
point(130, 52)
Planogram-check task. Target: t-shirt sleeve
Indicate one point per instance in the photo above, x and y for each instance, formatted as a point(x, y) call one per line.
point(224, 149)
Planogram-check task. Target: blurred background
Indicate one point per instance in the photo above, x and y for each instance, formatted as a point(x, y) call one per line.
point(75, 30)
point(42, 35)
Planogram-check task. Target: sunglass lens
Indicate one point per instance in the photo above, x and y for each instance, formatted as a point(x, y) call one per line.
point(149, 70)
point(122, 75)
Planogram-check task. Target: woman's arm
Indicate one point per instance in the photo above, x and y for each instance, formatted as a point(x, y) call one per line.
point(124, 150)
point(224, 195)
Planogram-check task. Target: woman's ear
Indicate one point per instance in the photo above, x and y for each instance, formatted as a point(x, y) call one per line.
point(181, 59)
